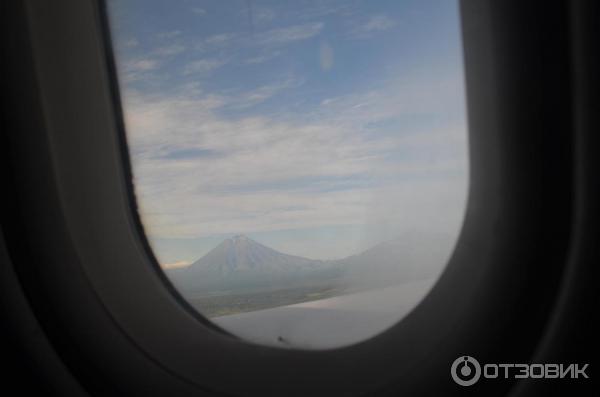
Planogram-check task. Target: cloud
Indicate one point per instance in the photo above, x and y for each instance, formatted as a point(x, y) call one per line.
point(326, 167)
point(265, 57)
point(202, 66)
point(129, 43)
point(216, 41)
point(219, 38)
point(267, 41)
point(169, 50)
point(168, 35)
point(268, 38)
point(137, 68)
point(205, 164)
point(374, 24)
point(199, 11)
point(320, 9)
point(261, 93)
point(379, 23)
point(283, 36)
point(142, 64)
point(263, 15)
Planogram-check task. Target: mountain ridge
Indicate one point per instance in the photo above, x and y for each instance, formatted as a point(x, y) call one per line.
point(240, 263)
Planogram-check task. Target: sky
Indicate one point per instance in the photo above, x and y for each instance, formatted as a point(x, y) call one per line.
point(318, 128)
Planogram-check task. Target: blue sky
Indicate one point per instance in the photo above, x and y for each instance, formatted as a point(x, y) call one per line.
point(316, 127)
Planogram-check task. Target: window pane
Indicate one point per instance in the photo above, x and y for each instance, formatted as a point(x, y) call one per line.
point(300, 167)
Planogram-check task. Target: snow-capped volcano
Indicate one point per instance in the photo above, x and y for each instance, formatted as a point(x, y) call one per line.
point(239, 254)
point(240, 262)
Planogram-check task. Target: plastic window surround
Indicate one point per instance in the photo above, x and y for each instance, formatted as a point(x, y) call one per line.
point(88, 161)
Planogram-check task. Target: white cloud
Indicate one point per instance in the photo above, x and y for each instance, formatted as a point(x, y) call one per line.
point(374, 24)
point(261, 93)
point(263, 15)
point(216, 41)
point(265, 57)
point(283, 36)
point(143, 67)
point(309, 170)
point(199, 11)
point(379, 23)
point(133, 42)
point(219, 38)
point(138, 68)
point(202, 66)
point(268, 38)
point(169, 50)
point(320, 9)
point(143, 64)
point(168, 35)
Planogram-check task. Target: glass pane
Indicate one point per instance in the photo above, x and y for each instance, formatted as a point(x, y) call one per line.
point(300, 167)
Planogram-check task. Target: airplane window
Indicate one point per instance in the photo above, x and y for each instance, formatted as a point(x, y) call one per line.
point(300, 167)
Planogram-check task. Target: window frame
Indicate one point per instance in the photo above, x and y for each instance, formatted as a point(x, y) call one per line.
point(101, 295)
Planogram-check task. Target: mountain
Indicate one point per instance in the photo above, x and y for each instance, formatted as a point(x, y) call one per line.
point(394, 262)
point(239, 254)
point(241, 264)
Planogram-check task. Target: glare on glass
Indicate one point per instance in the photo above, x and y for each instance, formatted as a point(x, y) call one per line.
point(300, 167)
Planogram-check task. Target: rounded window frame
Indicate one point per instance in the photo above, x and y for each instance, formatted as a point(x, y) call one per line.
point(93, 186)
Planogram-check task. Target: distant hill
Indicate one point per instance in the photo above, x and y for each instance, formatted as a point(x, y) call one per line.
point(241, 264)
point(392, 262)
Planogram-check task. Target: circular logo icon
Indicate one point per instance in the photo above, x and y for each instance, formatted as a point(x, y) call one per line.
point(465, 370)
